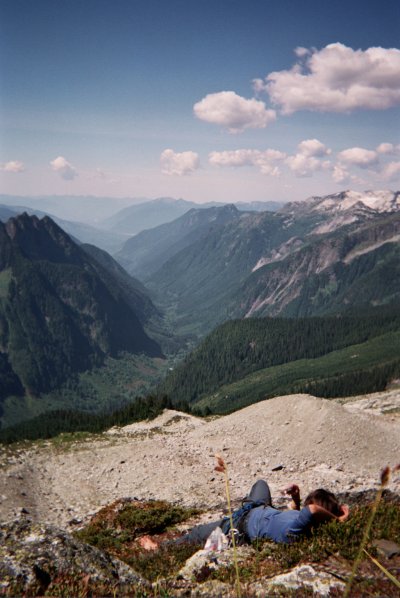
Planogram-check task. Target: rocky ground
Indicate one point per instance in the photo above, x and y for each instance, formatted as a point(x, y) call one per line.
point(341, 445)
point(48, 489)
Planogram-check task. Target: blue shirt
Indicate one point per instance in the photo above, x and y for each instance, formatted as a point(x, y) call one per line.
point(280, 526)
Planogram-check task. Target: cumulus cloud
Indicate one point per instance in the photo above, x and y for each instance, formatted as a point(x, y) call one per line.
point(304, 166)
point(358, 156)
point(64, 168)
point(391, 171)
point(233, 112)
point(308, 159)
point(265, 160)
point(340, 174)
point(179, 164)
point(388, 148)
point(313, 148)
point(336, 79)
point(14, 166)
point(240, 157)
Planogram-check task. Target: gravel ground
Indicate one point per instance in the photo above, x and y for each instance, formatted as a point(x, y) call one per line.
point(341, 445)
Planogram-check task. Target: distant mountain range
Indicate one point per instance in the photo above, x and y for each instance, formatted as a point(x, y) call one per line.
point(154, 213)
point(84, 233)
point(63, 308)
point(312, 257)
point(145, 253)
point(108, 222)
point(67, 307)
point(78, 208)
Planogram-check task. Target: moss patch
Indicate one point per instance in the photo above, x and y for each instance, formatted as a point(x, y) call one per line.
point(117, 527)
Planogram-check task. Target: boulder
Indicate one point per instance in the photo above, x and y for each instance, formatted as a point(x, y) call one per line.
point(35, 556)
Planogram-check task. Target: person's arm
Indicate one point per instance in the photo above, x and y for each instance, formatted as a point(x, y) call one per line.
point(321, 515)
point(294, 492)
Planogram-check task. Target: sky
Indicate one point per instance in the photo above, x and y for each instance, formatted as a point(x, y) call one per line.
point(205, 100)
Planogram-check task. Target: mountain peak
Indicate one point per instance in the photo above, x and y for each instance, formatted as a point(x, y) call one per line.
point(41, 238)
point(377, 201)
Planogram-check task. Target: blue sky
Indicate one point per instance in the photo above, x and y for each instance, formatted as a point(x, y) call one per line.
point(210, 100)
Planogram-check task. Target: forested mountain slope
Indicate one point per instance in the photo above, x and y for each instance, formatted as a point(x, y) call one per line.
point(357, 265)
point(146, 253)
point(311, 258)
point(239, 348)
point(60, 310)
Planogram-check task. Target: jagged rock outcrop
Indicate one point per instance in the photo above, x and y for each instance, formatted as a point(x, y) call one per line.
point(34, 557)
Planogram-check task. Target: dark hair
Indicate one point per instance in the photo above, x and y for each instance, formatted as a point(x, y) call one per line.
point(324, 499)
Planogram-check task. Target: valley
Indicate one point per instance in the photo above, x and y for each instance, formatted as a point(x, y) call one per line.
point(325, 269)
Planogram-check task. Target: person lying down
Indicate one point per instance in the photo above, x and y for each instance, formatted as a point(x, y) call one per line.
point(259, 519)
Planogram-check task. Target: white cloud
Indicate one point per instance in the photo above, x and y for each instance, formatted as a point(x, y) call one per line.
point(233, 112)
point(14, 166)
point(388, 148)
point(179, 164)
point(340, 174)
point(240, 157)
point(391, 171)
point(101, 174)
point(358, 156)
point(264, 160)
point(301, 52)
point(336, 79)
point(304, 166)
point(64, 168)
point(313, 147)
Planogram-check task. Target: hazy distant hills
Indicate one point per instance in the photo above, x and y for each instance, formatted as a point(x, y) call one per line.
point(311, 257)
point(61, 310)
point(146, 253)
point(151, 214)
point(108, 222)
point(85, 233)
point(78, 208)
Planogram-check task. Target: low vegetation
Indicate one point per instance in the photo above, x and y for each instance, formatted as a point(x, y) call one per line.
point(359, 369)
point(117, 528)
point(332, 548)
point(244, 361)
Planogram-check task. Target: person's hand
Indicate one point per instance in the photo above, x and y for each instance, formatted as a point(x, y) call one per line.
point(293, 491)
point(345, 513)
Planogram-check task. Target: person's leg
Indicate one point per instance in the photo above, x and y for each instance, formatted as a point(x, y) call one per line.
point(199, 533)
point(260, 492)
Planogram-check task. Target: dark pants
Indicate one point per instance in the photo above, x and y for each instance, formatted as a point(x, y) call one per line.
point(198, 535)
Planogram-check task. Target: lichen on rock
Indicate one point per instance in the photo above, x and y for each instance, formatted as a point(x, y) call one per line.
point(34, 556)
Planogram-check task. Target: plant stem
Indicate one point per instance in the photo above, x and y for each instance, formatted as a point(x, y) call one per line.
point(235, 560)
point(364, 540)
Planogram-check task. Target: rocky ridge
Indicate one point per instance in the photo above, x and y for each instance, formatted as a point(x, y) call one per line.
point(296, 438)
point(341, 445)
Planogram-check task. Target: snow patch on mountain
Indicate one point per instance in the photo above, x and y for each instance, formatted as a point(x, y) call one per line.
point(378, 201)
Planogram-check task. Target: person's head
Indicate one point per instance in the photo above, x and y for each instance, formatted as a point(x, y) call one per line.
point(324, 499)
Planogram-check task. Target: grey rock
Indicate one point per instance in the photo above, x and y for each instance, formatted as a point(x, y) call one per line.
point(387, 548)
point(305, 576)
point(212, 560)
point(33, 554)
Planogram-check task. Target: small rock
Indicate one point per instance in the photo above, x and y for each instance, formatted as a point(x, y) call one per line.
point(387, 548)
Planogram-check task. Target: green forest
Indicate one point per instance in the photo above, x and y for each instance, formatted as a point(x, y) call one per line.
point(241, 347)
point(53, 423)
